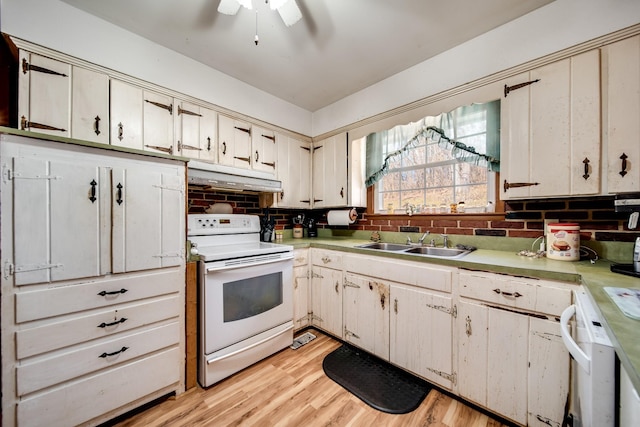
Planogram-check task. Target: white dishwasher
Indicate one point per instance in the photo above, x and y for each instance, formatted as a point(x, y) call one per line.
point(593, 377)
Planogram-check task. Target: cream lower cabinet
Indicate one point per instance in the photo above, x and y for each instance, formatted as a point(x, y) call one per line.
point(301, 291)
point(365, 313)
point(93, 287)
point(326, 291)
point(404, 310)
point(511, 358)
point(422, 333)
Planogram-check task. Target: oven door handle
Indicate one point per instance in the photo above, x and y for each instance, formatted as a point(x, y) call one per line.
point(233, 353)
point(250, 264)
point(578, 354)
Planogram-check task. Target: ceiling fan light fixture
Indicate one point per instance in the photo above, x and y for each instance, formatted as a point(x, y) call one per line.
point(228, 7)
point(289, 12)
point(276, 4)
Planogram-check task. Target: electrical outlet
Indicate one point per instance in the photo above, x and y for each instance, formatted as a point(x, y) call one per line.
point(546, 224)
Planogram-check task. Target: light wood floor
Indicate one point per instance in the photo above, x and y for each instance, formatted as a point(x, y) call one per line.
point(291, 389)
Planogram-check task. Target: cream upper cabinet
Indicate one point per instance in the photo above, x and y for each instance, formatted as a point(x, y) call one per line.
point(158, 122)
point(550, 137)
point(264, 143)
point(126, 115)
point(294, 171)
point(90, 105)
point(234, 142)
point(196, 131)
point(366, 313)
point(44, 95)
point(329, 177)
point(623, 115)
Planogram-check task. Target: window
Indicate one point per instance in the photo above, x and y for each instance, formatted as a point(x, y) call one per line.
point(430, 175)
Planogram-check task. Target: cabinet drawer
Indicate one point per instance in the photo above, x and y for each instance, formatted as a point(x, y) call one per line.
point(91, 397)
point(418, 274)
point(300, 257)
point(66, 366)
point(86, 327)
point(330, 259)
point(540, 296)
point(40, 304)
point(504, 290)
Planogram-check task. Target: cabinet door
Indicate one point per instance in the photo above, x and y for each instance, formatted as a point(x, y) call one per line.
point(623, 116)
point(421, 333)
point(366, 314)
point(208, 134)
point(326, 299)
point(44, 95)
point(264, 147)
point(90, 106)
point(301, 296)
point(234, 142)
point(148, 218)
point(330, 172)
point(551, 130)
point(548, 374)
point(188, 130)
point(126, 115)
point(158, 122)
point(507, 364)
point(294, 171)
point(57, 218)
point(472, 351)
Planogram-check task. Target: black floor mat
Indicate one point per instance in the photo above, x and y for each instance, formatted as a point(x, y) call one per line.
point(376, 382)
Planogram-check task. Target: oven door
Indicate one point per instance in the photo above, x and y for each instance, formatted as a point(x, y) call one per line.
point(244, 299)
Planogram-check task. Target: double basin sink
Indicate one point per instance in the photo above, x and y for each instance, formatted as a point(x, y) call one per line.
point(426, 251)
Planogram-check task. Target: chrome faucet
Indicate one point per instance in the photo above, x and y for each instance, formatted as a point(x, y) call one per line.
point(424, 236)
point(445, 240)
point(408, 240)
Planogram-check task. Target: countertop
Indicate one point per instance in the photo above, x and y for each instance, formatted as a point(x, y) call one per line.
point(623, 331)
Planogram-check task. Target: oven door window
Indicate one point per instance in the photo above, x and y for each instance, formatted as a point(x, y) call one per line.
point(249, 297)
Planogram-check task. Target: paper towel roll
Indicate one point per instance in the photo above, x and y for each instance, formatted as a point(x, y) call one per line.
point(342, 217)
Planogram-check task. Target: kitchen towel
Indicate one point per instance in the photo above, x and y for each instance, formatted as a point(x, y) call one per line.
point(342, 217)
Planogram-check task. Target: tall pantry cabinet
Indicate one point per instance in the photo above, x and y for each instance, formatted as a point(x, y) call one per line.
point(92, 252)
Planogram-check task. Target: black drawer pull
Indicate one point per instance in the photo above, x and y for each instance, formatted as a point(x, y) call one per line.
point(104, 325)
point(507, 294)
point(121, 291)
point(122, 350)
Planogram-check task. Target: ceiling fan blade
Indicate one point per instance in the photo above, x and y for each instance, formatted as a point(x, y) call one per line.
point(290, 13)
point(229, 7)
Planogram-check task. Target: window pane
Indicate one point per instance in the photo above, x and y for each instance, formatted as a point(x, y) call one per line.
point(466, 173)
point(436, 154)
point(472, 195)
point(440, 176)
point(392, 198)
point(415, 156)
point(390, 182)
point(413, 179)
point(439, 196)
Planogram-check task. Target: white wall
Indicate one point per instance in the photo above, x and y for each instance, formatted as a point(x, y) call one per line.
point(560, 24)
point(58, 26)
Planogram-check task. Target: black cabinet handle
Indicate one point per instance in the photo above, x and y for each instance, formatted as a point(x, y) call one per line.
point(122, 350)
point(224, 148)
point(208, 143)
point(624, 158)
point(104, 325)
point(93, 184)
point(507, 294)
point(96, 125)
point(104, 293)
point(120, 131)
point(586, 168)
point(119, 194)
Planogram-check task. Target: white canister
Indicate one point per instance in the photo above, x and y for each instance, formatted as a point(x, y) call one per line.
point(563, 241)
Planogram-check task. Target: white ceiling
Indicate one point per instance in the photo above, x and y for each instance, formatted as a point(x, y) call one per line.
point(338, 48)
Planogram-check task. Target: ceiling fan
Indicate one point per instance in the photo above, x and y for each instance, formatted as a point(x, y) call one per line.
point(288, 9)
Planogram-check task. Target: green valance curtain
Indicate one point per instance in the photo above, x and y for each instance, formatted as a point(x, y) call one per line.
point(444, 129)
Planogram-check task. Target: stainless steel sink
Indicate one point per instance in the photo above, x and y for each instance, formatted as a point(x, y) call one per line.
point(384, 246)
point(438, 252)
point(426, 251)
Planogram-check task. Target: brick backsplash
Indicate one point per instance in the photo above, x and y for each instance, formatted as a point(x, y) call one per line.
point(523, 218)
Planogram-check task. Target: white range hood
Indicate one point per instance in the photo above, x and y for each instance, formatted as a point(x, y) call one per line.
point(231, 179)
